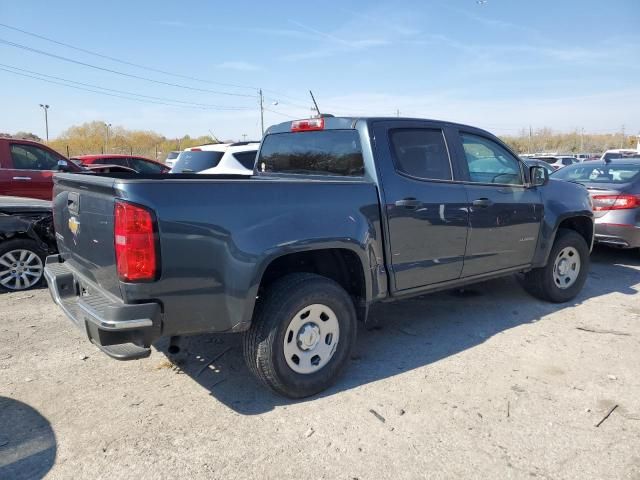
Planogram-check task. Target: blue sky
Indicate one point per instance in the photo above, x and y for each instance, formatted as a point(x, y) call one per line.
point(502, 65)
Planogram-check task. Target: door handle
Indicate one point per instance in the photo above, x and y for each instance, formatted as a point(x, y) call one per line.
point(22, 179)
point(482, 202)
point(408, 203)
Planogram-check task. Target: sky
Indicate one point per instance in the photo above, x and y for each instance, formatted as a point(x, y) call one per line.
point(196, 66)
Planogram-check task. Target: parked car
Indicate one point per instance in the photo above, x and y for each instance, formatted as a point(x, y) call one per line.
point(27, 168)
point(330, 225)
point(532, 162)
point(135, 163)
point(614, 187)
point(557, 161)
point(220, 158)
point(170, 161)
point(618, 153)
point(26, 238)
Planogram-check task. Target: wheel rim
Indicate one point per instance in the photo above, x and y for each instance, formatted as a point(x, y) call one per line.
point(311, 339)
point(20, 269)
point(566, 267)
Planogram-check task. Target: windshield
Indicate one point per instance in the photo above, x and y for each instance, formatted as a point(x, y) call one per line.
point(192, 162)
point(616, 174)
point(326, 152)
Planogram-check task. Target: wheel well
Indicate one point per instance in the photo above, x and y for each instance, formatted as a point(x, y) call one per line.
point(339, 264)
point(582, 225)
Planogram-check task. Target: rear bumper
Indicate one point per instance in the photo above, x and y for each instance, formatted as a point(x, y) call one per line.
point(624, 236)
point(122, 331)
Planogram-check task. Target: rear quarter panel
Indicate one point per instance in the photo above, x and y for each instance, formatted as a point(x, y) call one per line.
point(218, 237)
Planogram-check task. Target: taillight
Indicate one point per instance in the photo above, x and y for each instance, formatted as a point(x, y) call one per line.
point(135, 243)
point(307, 125)
point(615, 202)
point(195, 149)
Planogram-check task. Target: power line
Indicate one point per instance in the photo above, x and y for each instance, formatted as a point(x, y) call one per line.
point(204, 105)
point(99, 92)
point(124, 62)
point(124, 74)
point(279, 113)
point(151, 69)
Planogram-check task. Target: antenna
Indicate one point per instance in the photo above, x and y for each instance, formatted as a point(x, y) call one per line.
point(315, 103)
point(213, 137)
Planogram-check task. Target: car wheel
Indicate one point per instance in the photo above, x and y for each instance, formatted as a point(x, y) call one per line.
point(566, 271)
point(302, 335)
point(21, 265)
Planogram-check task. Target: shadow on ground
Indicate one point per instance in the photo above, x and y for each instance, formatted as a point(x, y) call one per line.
point(413, 333)
point(27, 442)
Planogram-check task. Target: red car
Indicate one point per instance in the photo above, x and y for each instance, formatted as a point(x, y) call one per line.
point(139, 164)
point(26, 168)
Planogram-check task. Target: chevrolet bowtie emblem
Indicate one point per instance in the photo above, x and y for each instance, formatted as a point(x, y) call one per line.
point(74, 225)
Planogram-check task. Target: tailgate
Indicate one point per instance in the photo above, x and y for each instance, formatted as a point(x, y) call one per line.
point(83, 219)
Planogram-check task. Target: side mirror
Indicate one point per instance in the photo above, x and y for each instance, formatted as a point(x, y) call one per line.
point(63, 166)
point(538, 176)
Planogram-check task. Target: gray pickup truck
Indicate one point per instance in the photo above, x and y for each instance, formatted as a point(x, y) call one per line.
point(340, 214)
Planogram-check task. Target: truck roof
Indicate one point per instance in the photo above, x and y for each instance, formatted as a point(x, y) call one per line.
point(345, 123)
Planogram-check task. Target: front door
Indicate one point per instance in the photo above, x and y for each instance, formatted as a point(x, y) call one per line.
point(504, 213)
point(425, 209)
point(31, 171)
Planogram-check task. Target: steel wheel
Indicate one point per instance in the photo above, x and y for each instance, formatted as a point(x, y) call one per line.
point(311, 339)
point(20, 269)
point(566, 267)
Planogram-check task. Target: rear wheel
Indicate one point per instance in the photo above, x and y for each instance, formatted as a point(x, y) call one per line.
point(302, 335)
point(566, 271)
point(21, 264)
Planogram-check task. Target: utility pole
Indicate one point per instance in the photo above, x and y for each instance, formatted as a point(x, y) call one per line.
point(582, 140)
point(622, 141)
point(46, 119)
point(397, 112)
point(261, 111)
point(106, 138)
point(244, 137)
point(530, 138)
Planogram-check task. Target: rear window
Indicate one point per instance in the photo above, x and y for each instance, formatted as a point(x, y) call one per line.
point(599, 173)
point(246, 159)
point(172, 155)
point(192, 162)
point(326, 152)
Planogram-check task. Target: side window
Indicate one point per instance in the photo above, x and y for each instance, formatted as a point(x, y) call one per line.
point(489, 162)
point(142, 166)
point(566, 161)
point(29, 157)
point(421, 153)
point(246, 159)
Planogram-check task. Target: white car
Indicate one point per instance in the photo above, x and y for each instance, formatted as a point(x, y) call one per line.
point(218, 159)
point(558, 161)
point(619, 153)
point(170, 161)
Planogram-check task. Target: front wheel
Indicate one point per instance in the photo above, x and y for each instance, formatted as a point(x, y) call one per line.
point(566, 271)
point(302, 335)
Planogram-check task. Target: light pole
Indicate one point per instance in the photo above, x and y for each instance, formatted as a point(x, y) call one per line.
point(46, 119)
point(106, 141)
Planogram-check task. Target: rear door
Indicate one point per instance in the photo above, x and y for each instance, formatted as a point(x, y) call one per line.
point(425, 208)
point(30, 171)
point(504, 213)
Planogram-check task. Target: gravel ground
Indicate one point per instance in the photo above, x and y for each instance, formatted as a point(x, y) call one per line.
point(484, 383)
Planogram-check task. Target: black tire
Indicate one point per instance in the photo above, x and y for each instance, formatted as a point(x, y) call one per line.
point(264, 342)
point(21, 244)
point(540, 283)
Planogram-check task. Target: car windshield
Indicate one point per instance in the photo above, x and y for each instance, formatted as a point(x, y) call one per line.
point(328, 152)
point(616, 174)
point(196, 161)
